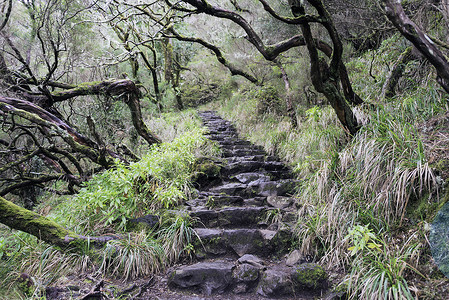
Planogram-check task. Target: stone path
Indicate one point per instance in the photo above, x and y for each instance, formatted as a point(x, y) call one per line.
point(243, 219)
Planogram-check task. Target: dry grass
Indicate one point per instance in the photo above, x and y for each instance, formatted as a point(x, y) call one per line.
point(138, 255)
point(370, 182)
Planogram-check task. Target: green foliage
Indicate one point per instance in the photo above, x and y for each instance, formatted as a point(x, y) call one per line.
point(177, 236)
point(314, 113)
point(362, 237)
point(3, 247)
point(161, 179)
point(379, 272)
point(139, 254)
point(268, 100)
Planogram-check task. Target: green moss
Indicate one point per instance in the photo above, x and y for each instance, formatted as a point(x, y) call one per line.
point(25, 285)
point(250, 274)
point(206, 166)
point(310, 275)
point(30, 222)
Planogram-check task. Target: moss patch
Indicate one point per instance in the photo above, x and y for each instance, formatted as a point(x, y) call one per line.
point(309, 275)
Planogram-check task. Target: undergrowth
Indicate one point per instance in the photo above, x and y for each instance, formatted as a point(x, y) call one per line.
point(154, 185)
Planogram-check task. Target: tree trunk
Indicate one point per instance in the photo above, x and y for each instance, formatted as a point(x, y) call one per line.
point(124, 87)
point(168, 57)
point(325, 77)
point(288, 98)
point(43, 228)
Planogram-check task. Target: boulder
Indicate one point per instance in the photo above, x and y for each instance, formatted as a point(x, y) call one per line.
point(250, 177)
point(206, 277)
point(246, 277)
point(252, 260)
point(309, 276)
point(275, 283)
point(146, 222)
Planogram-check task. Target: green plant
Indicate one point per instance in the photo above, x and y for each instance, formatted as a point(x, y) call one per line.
point(313, 113)
point(3, 247)
point(362, 237)
point(273, 216)
point(378, 272)
point(139, 254)
point(177, 236)
point(161, 179)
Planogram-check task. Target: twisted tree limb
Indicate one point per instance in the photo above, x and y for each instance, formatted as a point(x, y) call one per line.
point(419, 39)
point(43, 228)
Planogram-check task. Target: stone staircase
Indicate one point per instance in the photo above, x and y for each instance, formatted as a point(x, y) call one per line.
point(243, 223)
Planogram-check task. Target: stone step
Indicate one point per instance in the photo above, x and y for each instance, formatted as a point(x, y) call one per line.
point(206, 278)
point(233, 141)
point(250, 274)
point(241, 152)
point(211, 200)
point(218, 137)
point(258, 157)
point(260, 187)
point(252, 166)
point(230, 217)
point(251, 176)
point(242, 147)
point(261, 242)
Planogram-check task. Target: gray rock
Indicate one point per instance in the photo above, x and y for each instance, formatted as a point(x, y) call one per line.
point(275, 283)
point(246, 277)
point(244, 241)
point(250, 177)
point(245, 273)
point(230, 188)
point(208, 277)
point(147, 222)
point(252, 260)
point(274, 188)
point(293, 258)
point(279, 201)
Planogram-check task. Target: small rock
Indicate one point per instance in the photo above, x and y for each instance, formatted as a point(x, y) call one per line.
point(279, 201)
point(250, 177)
point(252, 260)
point(230, 188)
point(293, 258)
point(240, 288)
point(147, 221)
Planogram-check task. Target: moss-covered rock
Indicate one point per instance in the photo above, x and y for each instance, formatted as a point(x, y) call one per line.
point(309, 275)
point(205, 170)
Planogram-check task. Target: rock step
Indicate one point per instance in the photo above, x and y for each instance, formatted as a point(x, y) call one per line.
point(260, 187)
point(249, 275)
point(223, 141)
point(253, 166)
point(241, 152)
point(230, 217)
point(208, 200)
point(232, 147)
point(261, 242)
point(258, 157)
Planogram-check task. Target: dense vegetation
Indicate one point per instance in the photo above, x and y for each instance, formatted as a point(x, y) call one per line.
point(99, 128)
